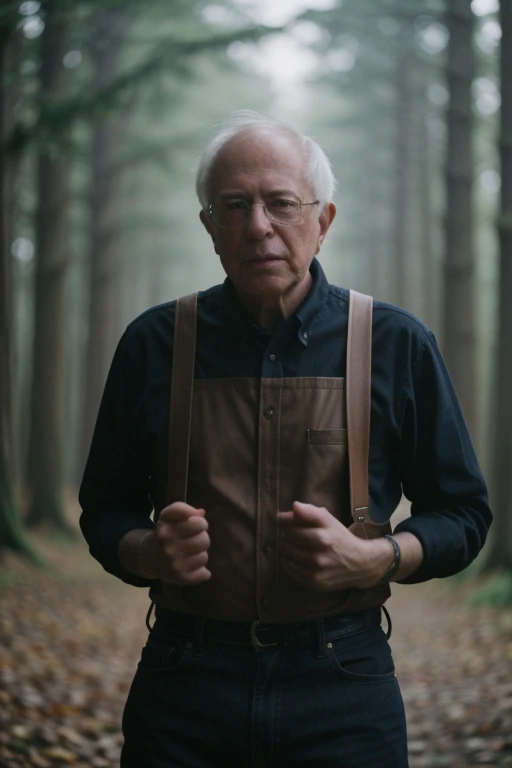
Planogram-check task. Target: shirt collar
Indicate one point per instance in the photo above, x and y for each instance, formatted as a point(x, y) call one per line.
point(304, 316)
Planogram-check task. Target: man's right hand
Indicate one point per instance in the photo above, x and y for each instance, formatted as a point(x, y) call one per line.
point(180, 545)
point(176, 550)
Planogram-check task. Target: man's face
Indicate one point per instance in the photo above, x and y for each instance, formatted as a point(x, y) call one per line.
point(265, 260)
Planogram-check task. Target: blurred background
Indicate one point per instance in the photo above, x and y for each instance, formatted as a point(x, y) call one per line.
point(104, 108)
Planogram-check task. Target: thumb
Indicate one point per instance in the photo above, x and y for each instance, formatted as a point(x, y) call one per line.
point(308, 514)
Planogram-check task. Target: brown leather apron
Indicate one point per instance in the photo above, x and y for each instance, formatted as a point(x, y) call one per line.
point(244, 449)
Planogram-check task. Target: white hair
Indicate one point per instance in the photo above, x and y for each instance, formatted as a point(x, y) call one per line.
point(318, 168)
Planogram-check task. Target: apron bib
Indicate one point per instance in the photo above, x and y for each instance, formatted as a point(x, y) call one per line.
point(246, 448)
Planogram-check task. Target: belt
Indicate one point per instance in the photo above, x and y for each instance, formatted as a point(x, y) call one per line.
point(264, 635)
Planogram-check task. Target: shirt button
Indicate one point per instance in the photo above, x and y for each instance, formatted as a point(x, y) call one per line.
point(269, 412)
point(264, 602)
point(272, 358)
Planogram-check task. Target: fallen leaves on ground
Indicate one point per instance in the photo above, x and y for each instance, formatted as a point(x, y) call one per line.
point(70, 640)
point(454, 665)
point(69, 645)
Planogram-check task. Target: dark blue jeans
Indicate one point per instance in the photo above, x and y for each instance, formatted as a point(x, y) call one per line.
point(203, 702)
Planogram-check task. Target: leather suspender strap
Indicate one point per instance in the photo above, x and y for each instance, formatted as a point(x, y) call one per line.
point(358, 387)
point(182, 393)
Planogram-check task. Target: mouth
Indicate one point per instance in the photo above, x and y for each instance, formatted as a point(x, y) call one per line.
point(262, 260)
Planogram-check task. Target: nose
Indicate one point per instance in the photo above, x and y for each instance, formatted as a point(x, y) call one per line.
point(258, 223)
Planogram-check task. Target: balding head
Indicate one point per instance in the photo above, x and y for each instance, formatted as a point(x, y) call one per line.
point(245, 123)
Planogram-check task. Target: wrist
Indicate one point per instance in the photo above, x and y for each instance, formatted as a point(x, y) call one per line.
point(136, 558)
point(394, 565)
point(377, 556)
point(146, 556)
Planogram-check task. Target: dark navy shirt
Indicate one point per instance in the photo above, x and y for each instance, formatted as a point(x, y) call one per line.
point(419, 443)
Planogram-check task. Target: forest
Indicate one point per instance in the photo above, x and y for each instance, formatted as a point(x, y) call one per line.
point(104, 109)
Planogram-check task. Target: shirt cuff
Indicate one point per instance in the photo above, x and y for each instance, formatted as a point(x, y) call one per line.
point(444, 550)
point(104, 543)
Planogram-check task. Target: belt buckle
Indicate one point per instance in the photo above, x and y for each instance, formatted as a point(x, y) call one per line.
point(256, 642)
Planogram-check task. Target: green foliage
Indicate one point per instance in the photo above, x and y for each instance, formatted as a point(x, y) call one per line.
point(496, 591)
point(56, 116)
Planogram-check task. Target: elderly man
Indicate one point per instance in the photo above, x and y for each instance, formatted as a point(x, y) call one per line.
point(270, 552)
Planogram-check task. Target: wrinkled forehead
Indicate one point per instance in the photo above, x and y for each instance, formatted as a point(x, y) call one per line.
point(267, 156)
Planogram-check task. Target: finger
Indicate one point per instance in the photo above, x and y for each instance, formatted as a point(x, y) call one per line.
point(195, 544)
point(195, 562)
point(291, 525)
point(197, 577)
point(181, 529)
point(297, 520)
point(308, 514)
point(178, 511)
point(190, 527)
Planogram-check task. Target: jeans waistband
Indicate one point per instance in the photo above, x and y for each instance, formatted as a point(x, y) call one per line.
point(262, 635)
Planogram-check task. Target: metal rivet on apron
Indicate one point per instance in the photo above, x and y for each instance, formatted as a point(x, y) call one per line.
point(329, 645)
point(269, 412)
point(272, 357)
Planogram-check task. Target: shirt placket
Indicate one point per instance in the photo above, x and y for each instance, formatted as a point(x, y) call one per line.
point(268, 499)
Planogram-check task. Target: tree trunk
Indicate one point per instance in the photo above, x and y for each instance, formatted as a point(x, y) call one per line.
point(403, 162)
point(47, 401)
point(374, 250)
point(429, 266)
point(459, 338)
point(500, 553)
point(11, 530)
point(104, 259)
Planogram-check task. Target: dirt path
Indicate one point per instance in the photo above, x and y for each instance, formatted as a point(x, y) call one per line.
point(69, 642)
point(455, 669)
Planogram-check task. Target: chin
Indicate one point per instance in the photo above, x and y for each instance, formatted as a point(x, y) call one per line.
point(267, 285)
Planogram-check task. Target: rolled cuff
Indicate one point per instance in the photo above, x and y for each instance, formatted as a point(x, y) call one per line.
point(104, 537)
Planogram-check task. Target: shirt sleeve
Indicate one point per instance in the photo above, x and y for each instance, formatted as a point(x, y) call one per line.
point(450, 514)
point(114, 494)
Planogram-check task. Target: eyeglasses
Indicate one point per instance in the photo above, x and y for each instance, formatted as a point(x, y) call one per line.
point(231, 213)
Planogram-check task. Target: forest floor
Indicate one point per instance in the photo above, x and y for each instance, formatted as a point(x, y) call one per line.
point(70, 638)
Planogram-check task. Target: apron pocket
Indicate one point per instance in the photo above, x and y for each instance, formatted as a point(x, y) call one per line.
point(326, 436)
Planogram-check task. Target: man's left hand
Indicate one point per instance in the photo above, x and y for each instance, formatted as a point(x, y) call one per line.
point(321, 553)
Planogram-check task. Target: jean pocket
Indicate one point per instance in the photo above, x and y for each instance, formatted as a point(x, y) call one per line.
point(362, 658)
point(164, 657)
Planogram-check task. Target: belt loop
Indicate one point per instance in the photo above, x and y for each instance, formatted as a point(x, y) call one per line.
point(197, 637)
point(320, 639)
point(388, 619)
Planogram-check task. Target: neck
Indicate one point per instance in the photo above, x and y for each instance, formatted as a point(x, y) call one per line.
point(269, 311)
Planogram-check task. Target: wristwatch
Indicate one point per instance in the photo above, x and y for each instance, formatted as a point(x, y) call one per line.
point(393, 568)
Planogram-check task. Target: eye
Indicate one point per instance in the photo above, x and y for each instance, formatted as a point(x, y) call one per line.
point(235, 205)
point(283, 204)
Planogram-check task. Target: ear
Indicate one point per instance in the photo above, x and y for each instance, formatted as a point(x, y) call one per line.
point(324, 222)
point(209, 226)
